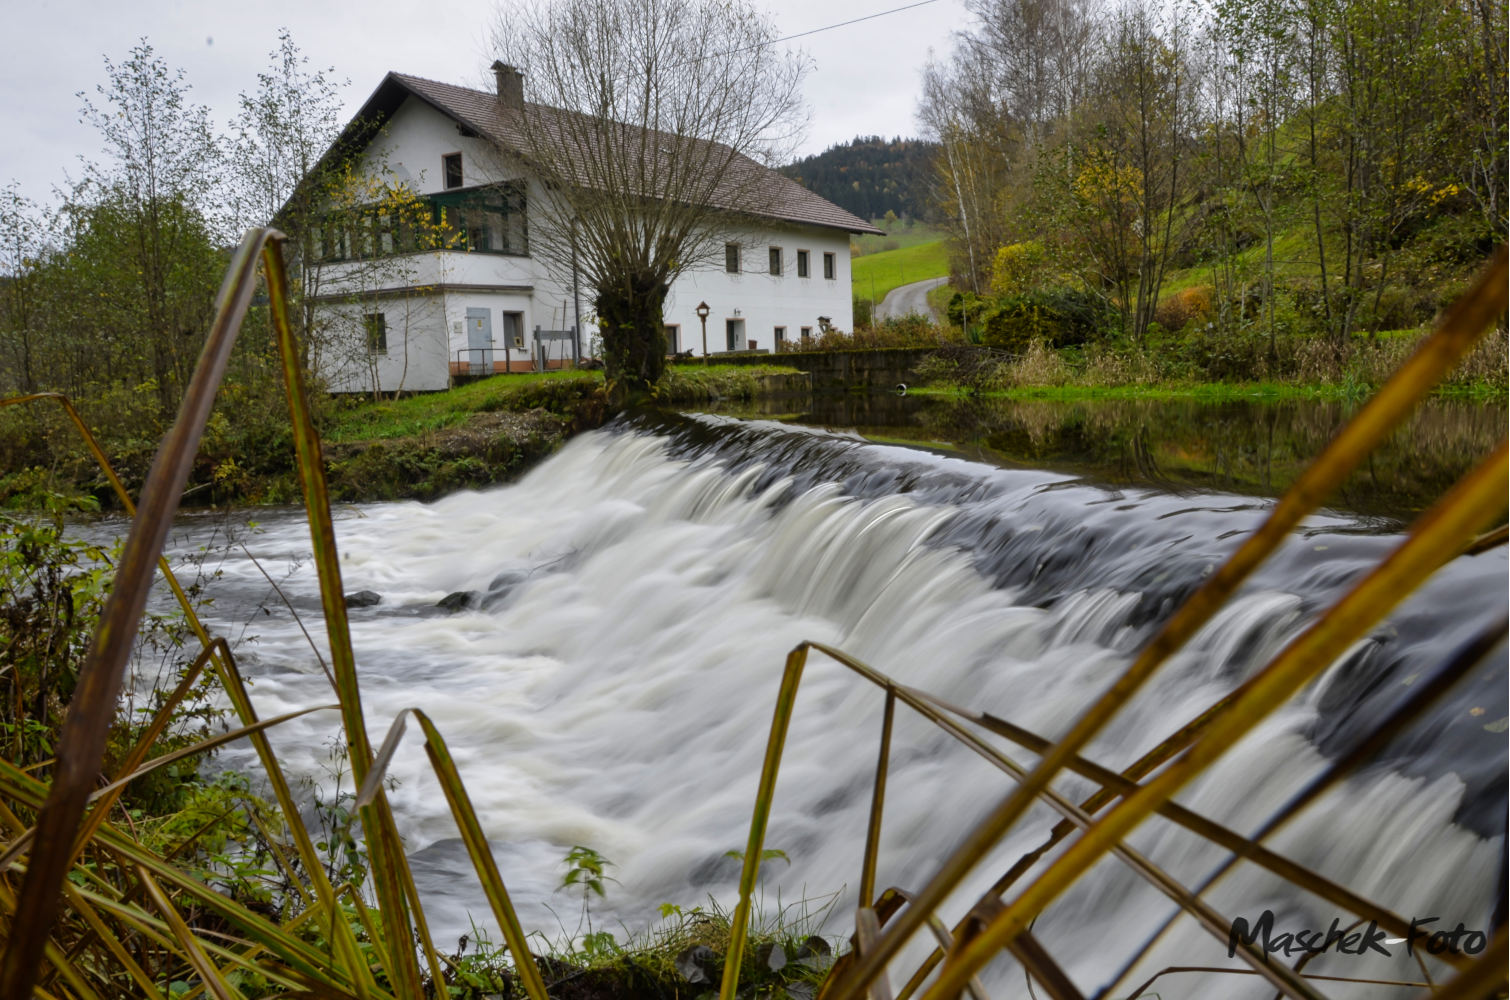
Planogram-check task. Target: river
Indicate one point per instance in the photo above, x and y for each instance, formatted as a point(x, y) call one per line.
point(641, 589)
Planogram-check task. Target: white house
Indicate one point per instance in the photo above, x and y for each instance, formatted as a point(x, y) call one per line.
point(416, 320)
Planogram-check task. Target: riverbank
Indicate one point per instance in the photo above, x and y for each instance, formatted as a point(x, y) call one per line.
point(495, 430)
point(1205, 392)
point(1291, 368)
point(1253, 444)
point(419, 447)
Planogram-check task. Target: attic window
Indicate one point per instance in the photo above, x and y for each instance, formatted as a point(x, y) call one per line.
point(466, 131)
point(452, 162)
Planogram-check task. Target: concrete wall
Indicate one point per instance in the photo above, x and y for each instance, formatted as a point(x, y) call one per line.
point(878, 369)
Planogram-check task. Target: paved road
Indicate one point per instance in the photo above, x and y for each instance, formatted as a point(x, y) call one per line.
point(911, 298)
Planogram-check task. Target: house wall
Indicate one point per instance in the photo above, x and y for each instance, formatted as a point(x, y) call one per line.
point(410, 151)
point(415, 360)
point(414, 141)
point(762, 300)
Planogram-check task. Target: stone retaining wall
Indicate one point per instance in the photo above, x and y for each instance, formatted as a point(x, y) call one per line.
point(876, 369)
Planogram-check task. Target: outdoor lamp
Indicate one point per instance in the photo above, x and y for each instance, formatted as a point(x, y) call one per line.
point(702, 314)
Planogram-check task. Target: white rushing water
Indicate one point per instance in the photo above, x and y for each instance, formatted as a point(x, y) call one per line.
point(620, 695)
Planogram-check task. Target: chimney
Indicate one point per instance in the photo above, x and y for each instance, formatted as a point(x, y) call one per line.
point(510, 85)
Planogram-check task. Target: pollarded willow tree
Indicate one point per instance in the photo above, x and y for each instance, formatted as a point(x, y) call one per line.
point(648, 126)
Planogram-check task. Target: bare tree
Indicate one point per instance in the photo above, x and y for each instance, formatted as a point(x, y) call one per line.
point(648, 129)
point(979, 152)
point(1042, 52)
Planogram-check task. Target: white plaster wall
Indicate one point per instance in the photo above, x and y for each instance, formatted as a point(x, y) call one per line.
point(415, 140)
point(416, 356)
point(762, 300)
point(411, 151)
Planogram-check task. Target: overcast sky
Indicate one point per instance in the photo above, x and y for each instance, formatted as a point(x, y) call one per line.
point(866, 81)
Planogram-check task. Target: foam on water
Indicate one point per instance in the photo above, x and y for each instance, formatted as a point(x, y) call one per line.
point(617, 690)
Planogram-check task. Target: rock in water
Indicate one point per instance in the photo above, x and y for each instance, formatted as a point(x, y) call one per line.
point(363, 599)
point(461, 600)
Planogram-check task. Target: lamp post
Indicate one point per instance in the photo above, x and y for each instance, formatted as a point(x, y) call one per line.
point(702, 314)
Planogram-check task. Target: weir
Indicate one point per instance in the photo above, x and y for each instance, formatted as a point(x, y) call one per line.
point(640, 590)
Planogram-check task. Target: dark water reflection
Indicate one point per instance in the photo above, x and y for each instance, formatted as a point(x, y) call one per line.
point(1255, 447)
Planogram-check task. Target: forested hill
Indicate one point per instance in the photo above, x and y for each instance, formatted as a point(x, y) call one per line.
point(870, 175)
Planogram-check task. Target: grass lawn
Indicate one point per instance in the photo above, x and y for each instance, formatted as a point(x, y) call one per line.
point(900, 235)
point(557, 391)
point(876, 274)
point(433, 411)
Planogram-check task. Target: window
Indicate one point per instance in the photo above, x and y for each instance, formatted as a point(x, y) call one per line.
point(452, 163)
point(513, 331)
point(781, 335)
point(776, 261)
point(731, 258)
point(807, 333)
point(480, 220)
point(802, 264)
point(484, 220)
point(376, 325)
point(829, 266)
point(673, 339)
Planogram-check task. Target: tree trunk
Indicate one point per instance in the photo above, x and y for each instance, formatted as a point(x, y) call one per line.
point(634, 333)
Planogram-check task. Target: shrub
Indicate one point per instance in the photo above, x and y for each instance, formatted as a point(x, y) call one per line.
point(1181, 308)
point(1039, 366)
point(863, 312)
point(1060, 318)
point(1019, 268)
point(893, 332)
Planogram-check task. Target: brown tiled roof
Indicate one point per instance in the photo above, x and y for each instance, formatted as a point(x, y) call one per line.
point(780, 197)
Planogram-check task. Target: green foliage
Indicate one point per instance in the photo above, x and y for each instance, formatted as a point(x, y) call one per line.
point(51, 592)
point(862, 310)
point(643, 965)
point(584, 867)
point(769, 854)
point(1059, 317)
point(1320, 168)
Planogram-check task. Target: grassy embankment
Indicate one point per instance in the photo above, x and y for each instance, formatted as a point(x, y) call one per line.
point(492, 430)
point(418, 447)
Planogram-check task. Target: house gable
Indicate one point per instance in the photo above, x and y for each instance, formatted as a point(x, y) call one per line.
point(412, 148)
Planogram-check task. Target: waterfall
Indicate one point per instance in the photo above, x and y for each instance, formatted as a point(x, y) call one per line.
point(639, 591)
